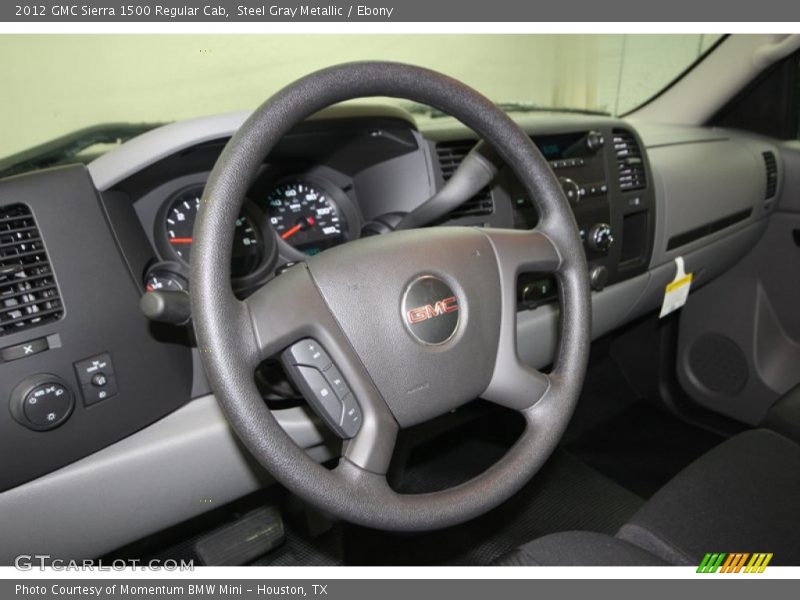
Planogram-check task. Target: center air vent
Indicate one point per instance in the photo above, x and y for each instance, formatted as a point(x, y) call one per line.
point(772, 174)
point(450, 156)
point(630, 163)
point(28, 292)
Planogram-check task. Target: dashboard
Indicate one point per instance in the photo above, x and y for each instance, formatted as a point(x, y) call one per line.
point(92, 384)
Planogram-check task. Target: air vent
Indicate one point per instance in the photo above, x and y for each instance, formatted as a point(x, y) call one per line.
point(630, 163)
point(28, 292)
point(772, 174)
point(450, 156)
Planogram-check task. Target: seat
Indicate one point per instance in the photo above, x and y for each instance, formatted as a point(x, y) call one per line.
point(742, 496)
point(579, 549)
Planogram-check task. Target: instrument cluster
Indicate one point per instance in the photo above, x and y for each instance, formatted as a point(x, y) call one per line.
point(306, 213)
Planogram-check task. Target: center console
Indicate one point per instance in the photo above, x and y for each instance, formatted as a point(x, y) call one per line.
point(606, 178)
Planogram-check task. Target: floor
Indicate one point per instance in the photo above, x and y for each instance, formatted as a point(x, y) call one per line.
point(618, 450)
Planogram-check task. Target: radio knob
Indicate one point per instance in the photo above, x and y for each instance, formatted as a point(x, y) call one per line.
point(595, 141)
point(600, 238)
point(571, 189)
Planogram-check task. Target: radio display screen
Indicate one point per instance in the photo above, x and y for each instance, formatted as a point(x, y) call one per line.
point(567, 145)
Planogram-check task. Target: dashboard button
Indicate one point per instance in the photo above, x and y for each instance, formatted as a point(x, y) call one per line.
point(93, 393)
point(99, 380)
point(86, 369)
point(25, 349)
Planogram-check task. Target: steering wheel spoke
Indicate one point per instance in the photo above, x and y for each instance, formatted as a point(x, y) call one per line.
point(513, 383)
point(289, 317)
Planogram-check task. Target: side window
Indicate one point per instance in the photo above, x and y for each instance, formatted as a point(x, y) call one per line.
point(770, 105)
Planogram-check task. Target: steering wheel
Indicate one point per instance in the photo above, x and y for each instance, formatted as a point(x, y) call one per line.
point(417, 322)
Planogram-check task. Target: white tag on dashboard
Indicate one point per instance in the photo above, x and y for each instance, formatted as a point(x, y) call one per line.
point(677, 291)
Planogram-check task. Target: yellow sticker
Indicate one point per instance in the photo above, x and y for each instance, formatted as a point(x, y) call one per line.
point(676, 293)
point(674, 285)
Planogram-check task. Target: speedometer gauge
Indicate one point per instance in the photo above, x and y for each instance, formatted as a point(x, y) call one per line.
point(305, 216)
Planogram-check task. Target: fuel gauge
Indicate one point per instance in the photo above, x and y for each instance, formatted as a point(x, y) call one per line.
point(165, 277)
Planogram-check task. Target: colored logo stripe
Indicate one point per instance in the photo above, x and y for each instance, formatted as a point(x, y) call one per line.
point(734, 562)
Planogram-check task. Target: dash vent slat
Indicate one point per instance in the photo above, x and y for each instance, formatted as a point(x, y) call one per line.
point(771, 166)
point(28, 291)
point(450, 156)
point(630, 162)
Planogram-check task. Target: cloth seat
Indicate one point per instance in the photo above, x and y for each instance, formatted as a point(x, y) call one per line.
point(742, 496)
point(579, 549)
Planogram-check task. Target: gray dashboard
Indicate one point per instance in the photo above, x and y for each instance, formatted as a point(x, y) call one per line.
point(706, 198)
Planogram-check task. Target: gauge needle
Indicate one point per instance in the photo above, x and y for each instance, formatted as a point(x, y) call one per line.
point(292, 230)
point(180, 240)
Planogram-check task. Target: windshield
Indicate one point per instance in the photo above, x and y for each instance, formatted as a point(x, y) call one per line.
point(54, 85)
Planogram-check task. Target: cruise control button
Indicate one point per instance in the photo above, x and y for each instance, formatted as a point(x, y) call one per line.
point(321, 394)
point(336, 380)
point(351, 416)
point(22, 350)
point(309, 353)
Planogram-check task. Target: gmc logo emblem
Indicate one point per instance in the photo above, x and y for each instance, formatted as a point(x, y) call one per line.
point(423, 313)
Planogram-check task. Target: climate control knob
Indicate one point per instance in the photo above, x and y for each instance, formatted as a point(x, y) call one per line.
point(600, 237)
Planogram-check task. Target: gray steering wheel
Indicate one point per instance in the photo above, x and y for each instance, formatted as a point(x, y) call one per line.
point(418, 322)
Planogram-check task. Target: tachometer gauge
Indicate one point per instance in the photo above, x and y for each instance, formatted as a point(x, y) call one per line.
point(305, 216)
point(248, 243)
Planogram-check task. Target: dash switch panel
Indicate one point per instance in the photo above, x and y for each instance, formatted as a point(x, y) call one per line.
point(97, 378)
point(323, 386)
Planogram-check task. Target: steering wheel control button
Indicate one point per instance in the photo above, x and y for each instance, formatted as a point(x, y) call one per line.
point(321, 392)
point(323, 386)
point(430, 310)
point(25, 349)
point(42, 402)
point(335, 379)
point(308, 353)
point(351, 416)
point(96, 375)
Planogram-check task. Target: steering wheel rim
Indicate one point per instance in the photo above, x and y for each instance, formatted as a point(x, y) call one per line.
point(235, 336)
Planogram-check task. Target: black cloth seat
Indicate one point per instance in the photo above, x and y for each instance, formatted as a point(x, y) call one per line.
point(742, 496)
point(579, 549)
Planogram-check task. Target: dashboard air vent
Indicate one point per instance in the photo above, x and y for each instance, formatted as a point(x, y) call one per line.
point(772, 174)
point(630, 163)
point(28, 292)
point(450, 156)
